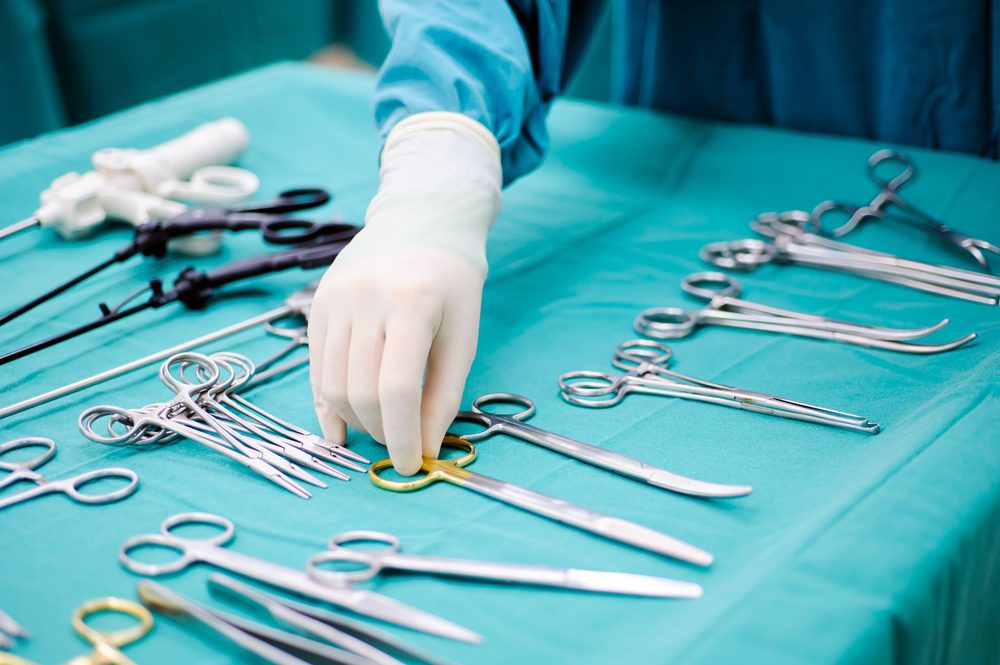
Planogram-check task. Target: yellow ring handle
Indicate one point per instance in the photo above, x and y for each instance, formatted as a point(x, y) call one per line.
point(434, 469)
point(120, 606)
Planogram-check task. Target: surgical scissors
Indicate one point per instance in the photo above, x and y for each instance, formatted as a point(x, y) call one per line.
point(453, 471)
point(793, 243)
point(211, 550)
point(373, 562)
point(514, 425)
point(726, 309)
point(646, 372)
point(889, 196)
point(71, 487)
point(107, 646)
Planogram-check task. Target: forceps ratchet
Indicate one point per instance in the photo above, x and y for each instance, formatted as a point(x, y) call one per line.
point(514, 425)
point(912, 215)
point(725, 308)
point(212, 550)
point(453, 471)
point(71, 487)
point(373, 562)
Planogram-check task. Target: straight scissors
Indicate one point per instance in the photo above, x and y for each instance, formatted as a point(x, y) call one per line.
point(107, 646)
point(453, 471)
point(889, 196)
point(794, 243)
point(514, 425)
point(71, 487)
point(211, 550)
point(725, 308)
point(373, 562)
point(646, 372)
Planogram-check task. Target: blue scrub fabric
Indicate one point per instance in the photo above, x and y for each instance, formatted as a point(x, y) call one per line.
point(852, 549)
point(917, 72)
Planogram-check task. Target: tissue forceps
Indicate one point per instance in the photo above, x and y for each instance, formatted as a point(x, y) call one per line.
point(725, 308)
point(792, 243)
point(375, 561)
point(71, 487)
point(514, 425)
point(645, 362)
point(212, 550)
point(912, 215)
point(453, 471)
point(107, 646)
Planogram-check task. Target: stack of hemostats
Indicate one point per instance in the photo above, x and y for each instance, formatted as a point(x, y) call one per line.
point(206, 409)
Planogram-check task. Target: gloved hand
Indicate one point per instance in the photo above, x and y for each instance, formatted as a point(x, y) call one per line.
point(394, 323)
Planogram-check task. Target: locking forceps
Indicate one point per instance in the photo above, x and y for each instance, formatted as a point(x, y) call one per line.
point(645, 363)
point(909, 214)
point(793, 243)
point(514, 425)
point(725, 308)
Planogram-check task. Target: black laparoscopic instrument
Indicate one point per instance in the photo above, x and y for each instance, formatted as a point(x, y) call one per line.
point(269, 217)
point(195, 288)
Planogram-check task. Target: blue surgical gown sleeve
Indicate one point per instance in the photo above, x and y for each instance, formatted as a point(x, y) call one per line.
point(500, 63)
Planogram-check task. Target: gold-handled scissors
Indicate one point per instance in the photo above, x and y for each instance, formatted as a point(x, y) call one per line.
point(454, 472)
point(107, 646)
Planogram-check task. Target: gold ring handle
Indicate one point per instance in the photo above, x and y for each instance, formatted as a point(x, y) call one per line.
point(117, 638)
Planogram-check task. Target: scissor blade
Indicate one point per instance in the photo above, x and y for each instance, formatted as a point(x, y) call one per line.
point(382, 607)
point(610, 527)
point(684, 485)
point(630, 584)
point(619, 463)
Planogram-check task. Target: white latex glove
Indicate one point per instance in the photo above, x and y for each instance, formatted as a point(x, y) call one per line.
point(394, 323)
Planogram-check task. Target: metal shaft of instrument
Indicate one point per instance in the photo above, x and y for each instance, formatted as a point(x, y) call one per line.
point(841, 256)
point(286, 616)
point(158, 597)
point(767, 406)
point(139, 363)
point(563, 578)
point(616, 462)
point(832, 331)
point(746, 397)
point(563, 511)
point(728, 307)
point(281, 447)
point(17, 227)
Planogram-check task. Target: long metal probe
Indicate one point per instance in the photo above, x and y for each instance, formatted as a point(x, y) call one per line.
point(138, 363)
point(17, 227)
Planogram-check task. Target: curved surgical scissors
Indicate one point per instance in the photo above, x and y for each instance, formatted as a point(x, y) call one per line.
point(368, 563)
point(645, 362)
point(514, 425)
point(212, 550)
point(726, 309)
point(889, 196)
point(107, 646)
point(71, 487)
point(453, 471)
